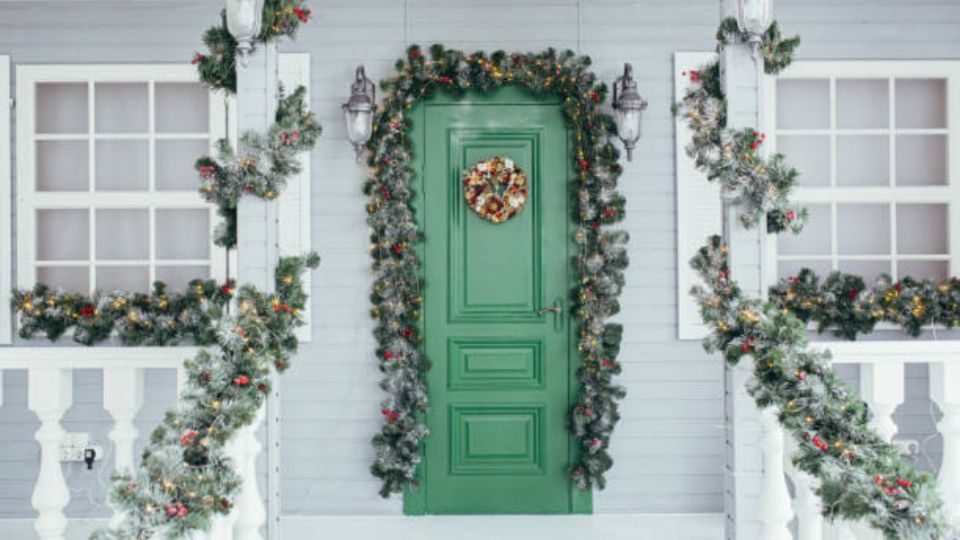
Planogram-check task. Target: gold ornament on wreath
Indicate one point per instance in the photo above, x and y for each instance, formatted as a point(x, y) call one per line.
point(495, 189)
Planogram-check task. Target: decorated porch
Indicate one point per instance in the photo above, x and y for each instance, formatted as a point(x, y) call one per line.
point(173, 367)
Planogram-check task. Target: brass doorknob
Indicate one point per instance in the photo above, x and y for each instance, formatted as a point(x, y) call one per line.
point(549, 310)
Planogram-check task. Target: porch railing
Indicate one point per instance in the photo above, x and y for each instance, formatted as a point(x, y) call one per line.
point(795, 513)
point(50, 395)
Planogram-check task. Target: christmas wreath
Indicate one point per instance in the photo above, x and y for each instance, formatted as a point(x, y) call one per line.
point(495, 189)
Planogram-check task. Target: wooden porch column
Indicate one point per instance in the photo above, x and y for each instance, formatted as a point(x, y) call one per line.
point(756, 500)
point(257, 254)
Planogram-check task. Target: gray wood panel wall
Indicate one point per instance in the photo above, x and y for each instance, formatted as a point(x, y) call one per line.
point(670, 442)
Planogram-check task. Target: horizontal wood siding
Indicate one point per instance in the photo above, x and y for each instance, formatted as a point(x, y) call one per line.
point(669, 446)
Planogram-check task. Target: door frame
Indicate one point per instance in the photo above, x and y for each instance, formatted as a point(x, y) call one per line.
point(415, 499)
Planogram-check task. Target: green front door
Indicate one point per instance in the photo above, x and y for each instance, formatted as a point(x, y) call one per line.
point(500, 373)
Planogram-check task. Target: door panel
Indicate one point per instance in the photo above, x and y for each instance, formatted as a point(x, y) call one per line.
point(500, 369)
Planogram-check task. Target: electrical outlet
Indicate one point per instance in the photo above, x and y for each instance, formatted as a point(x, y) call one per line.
point(907, 447)
point(73, 446)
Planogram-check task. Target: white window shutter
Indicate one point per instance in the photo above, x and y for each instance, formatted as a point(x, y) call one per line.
point(699, 210)
point(293, 205)
point(6, 249)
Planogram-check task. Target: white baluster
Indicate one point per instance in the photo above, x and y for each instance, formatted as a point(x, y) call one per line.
point(881, 385)
point(223, 525)
point(252, 513)
point(122, 398)
point(806, 503)
point(945, 391)
point(775, 511)
point(50, 395)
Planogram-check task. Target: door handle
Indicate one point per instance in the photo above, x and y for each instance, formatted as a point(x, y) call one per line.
point(556, 309)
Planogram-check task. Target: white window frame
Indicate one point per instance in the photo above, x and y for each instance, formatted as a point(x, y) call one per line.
point(6, 216)
point(29, 199)
point(874, 69)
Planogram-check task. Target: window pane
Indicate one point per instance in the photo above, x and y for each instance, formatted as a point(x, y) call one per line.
point(803, 103)
point(63, 166)
point(177, 277)
point(68, 279)
point(183, 234)
point(122, 166)
point(61, 108)
point(121, 107)
point(922, 229)
point(863, 160)
point(868, 270)
point(863, 103)
point(921, 160)
point(810, 155)
point(63, 235)
point(863, 229)
point(182, 108)
point(815, 238)
point(935, 270)
point(921, 103)
point(123, 278)
point(787, 269)
point(122, 234)
point(175, 161)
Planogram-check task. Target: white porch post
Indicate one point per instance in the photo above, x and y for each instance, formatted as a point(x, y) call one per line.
point(757, 503)
point(50, 395)
point(256, 260)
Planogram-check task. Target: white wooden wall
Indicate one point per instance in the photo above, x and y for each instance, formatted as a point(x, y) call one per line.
point(669, 446)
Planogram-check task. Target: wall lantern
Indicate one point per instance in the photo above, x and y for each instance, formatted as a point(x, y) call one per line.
point(754, 17)
point(358, 111)
point(628, 109)
point(243, 21)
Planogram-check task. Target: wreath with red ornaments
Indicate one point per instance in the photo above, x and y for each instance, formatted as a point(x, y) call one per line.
point(495, 189)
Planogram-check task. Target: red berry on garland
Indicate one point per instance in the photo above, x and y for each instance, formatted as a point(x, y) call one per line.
point(226, 289)
point(606, 362)
point(241, 380)
point(388, 355)
point(801, 375)
point(197, 58)
point(904, 483)
point(414, 54)
point(408, 332)
point(88, 311)
point(584, 164)
point(445, 80)
point(878, 479)
point(397, 248)
point(391, 415)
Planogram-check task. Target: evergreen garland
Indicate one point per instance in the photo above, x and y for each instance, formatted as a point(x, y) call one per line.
point(844, 305)
point(397, 289)
point(760, 185)
point(218, 67)
point(185, 477)
point(136, 319)
point(861, 475)
point(263, 165)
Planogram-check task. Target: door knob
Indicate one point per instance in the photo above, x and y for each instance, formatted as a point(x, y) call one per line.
point(549, 310)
